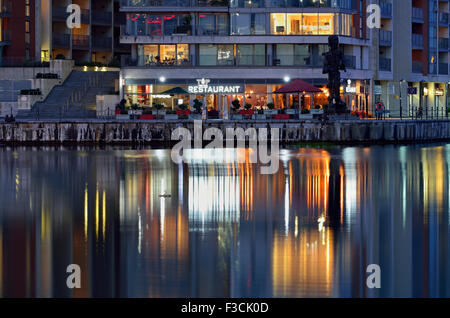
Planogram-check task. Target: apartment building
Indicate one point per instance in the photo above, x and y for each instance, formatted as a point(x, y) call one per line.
point(96, 40)
point(17, 17)
point(41, 32)
point(411, 57)
point(241, 49)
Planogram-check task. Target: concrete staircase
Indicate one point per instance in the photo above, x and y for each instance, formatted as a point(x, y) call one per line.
point(75, 99)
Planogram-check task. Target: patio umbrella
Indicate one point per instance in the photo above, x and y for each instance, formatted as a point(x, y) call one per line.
point(176, 91)
point(298, 86)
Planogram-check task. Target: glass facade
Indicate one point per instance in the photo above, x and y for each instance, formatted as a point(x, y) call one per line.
point(223, 24)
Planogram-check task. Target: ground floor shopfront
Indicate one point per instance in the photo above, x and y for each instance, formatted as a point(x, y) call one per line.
point(413, 99)
point(219, 93)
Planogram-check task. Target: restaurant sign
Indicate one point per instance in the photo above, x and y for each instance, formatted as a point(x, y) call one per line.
point(203, 87)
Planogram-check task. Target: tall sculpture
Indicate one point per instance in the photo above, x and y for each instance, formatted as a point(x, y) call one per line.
point(332, 65)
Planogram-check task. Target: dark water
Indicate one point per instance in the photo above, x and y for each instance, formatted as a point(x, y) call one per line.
point(227, 231)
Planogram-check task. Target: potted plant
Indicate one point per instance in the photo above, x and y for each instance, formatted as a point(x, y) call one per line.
point(271, 109)
point(160, 112)
point(197, 113)
point(123, 115)
point(260, 115)
point(305, 114)
point(317, 110)
point(183, 112)
point(236, 106)
point(147, 114)
point(171, 115)
point(248, 112)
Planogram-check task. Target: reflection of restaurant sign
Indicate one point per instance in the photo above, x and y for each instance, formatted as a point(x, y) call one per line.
point(203, 87)
point(412, 90)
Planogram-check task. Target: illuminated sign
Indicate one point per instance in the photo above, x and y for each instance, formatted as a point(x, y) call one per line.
point(203, 87)
point(439, 92)
point(349, 88)
point(412, 90)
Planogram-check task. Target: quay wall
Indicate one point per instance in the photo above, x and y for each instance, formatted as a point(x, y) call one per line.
point(110, 132)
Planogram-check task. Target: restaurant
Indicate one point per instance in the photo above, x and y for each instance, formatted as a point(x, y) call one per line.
point(219, 95)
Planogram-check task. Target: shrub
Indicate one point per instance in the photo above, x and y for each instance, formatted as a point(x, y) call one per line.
point(271, 105)
point(248, 106)
point(317, 107)
point(236, 104)
point(183, 106)
point(198, 106)
point(158, 106)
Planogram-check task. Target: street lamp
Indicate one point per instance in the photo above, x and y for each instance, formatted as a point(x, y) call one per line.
point(400, 95)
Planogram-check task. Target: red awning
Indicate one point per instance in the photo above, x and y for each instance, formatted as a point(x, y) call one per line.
point(298, 86)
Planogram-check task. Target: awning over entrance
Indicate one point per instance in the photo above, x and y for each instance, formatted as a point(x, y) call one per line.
point(175, 91)
point(298, 86)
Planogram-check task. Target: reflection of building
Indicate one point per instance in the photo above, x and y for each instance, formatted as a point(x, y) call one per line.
point(257, 45)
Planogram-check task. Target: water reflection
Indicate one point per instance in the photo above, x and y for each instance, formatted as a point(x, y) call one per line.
point(225, 230)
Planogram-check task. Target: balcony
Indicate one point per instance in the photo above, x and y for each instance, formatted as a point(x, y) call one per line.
point(443, 44)
point(417, 41)
point(385, 64)
point(417, 67)
point(5, 9)
point(443, 68)
point(385, 38)
point(61, 40)
point(443, 19)
point(101, 43)
point(174, 3)
point(386, 10)
point(5, 37)
point(101, 17)
point(80, 41)
point(417, 15)
point(60, 14)
point(350, 61)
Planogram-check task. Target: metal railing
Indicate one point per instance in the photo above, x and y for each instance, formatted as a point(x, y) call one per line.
point(385, 64)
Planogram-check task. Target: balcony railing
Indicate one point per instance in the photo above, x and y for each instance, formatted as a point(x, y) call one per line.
point(417, 15)
point(61, 14)
point(175, 3)
point(5, 8)
point(385, 38)
point(61, 40)
point(386, 9)
point(6, 36)
point(100, 42)
point(417, 41)
point(80, 41)
point(101, 17)
point(443, 68)
point(417, 67)
point(385, 64)
point(443, 44)
point(443, 18)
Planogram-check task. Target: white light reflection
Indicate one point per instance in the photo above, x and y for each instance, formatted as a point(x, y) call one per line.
point(163, 208)
point(349, 158)
point(402, 153)
point(214, 190)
